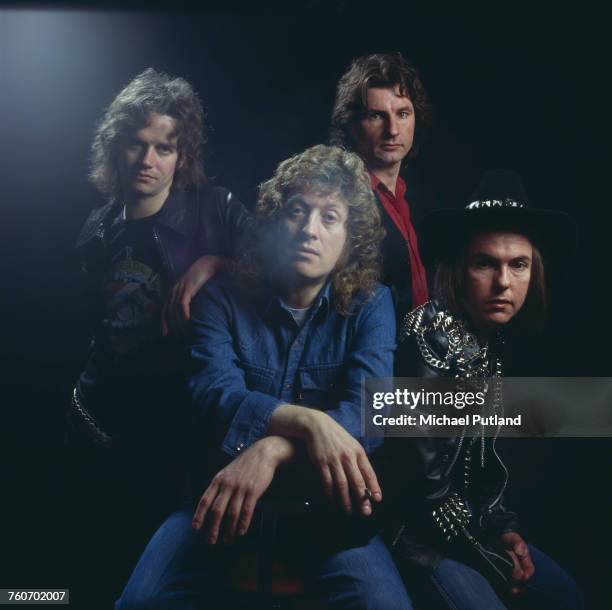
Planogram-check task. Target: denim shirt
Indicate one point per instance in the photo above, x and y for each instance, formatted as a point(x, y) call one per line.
point(251, 357)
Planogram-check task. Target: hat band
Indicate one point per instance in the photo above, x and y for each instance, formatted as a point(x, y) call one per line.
point(494, 203)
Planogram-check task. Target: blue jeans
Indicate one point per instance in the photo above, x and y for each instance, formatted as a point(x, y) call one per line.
point(462, 588)
point(178, 571)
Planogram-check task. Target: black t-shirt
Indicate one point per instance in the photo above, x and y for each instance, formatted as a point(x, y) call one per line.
point(134, 372)
point(133, 289)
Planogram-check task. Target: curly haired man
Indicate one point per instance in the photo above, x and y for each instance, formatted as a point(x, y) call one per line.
point(280, 352)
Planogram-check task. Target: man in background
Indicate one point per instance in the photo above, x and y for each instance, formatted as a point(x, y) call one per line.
point(381, 112)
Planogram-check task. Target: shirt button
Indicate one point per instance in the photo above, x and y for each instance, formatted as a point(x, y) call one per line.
point(288, 385)
point(300, 396)
point(240, 447)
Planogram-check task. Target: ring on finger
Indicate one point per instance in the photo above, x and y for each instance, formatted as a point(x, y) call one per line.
point(367, 494)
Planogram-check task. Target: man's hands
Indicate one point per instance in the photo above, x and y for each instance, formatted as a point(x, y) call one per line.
point(234, 491)
point(230, 499)
point(517, 548)
point(175, 313)
point(342, 462)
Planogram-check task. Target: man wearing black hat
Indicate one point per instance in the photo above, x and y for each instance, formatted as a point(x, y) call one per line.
point(381, 112)
point(455, 524)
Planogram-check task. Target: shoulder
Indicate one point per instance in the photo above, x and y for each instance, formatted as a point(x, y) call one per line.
point(220, 288)
point(373, 308)
point(443, 340)
point(221, 293)
point(213, 196)
point(419, 352)
point(415, 321)
point(379, 296)
point(206, 200)
point(218, 207)
point(94, 222)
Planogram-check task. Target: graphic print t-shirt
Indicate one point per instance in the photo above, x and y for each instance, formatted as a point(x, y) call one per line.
point(133, 291)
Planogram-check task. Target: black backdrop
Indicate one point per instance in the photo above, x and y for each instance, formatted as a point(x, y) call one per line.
point(510, 88)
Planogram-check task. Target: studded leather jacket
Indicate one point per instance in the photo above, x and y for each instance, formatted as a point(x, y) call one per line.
point(447, 474)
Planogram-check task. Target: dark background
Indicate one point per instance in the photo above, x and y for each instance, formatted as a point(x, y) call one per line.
point(511, 89)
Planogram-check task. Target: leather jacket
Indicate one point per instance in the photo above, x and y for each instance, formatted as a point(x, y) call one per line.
point(432, 343)
point(191, 224)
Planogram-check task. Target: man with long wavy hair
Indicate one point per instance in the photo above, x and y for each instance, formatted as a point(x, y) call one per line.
point(162, 233)
point(381, 112)
point(280, 351)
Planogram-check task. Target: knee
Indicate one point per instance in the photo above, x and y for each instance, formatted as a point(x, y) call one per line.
point(376, 592)
point(364, 578)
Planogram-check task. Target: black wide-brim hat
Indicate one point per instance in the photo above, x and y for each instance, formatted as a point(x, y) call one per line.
point(499, 203)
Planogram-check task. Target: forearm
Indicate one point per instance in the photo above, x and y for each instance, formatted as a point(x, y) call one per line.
point(293, 421)
point(205, 267)
point(278, 449)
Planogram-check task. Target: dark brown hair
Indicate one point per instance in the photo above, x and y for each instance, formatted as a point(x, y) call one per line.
point(150, 92)
point(378, 70)
point(449, 283)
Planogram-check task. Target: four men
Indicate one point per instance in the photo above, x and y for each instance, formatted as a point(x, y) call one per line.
point(280, 344)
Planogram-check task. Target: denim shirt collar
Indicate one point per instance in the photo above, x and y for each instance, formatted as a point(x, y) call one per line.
point(275, 306)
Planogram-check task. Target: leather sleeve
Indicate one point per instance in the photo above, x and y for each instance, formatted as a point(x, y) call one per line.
point(408, 360)
point(499, 520)
point(224, 221)
point(429, 457)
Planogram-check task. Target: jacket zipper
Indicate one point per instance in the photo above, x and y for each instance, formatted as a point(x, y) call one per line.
point(489, 509)
point(162, 253)
point(456, 456)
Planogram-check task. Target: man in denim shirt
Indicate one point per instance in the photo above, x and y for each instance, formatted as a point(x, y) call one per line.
point(281, 351)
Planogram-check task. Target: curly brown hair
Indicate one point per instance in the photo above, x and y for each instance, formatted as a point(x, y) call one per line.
point(150, 92)
point(325, 170)
point(386, 70)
